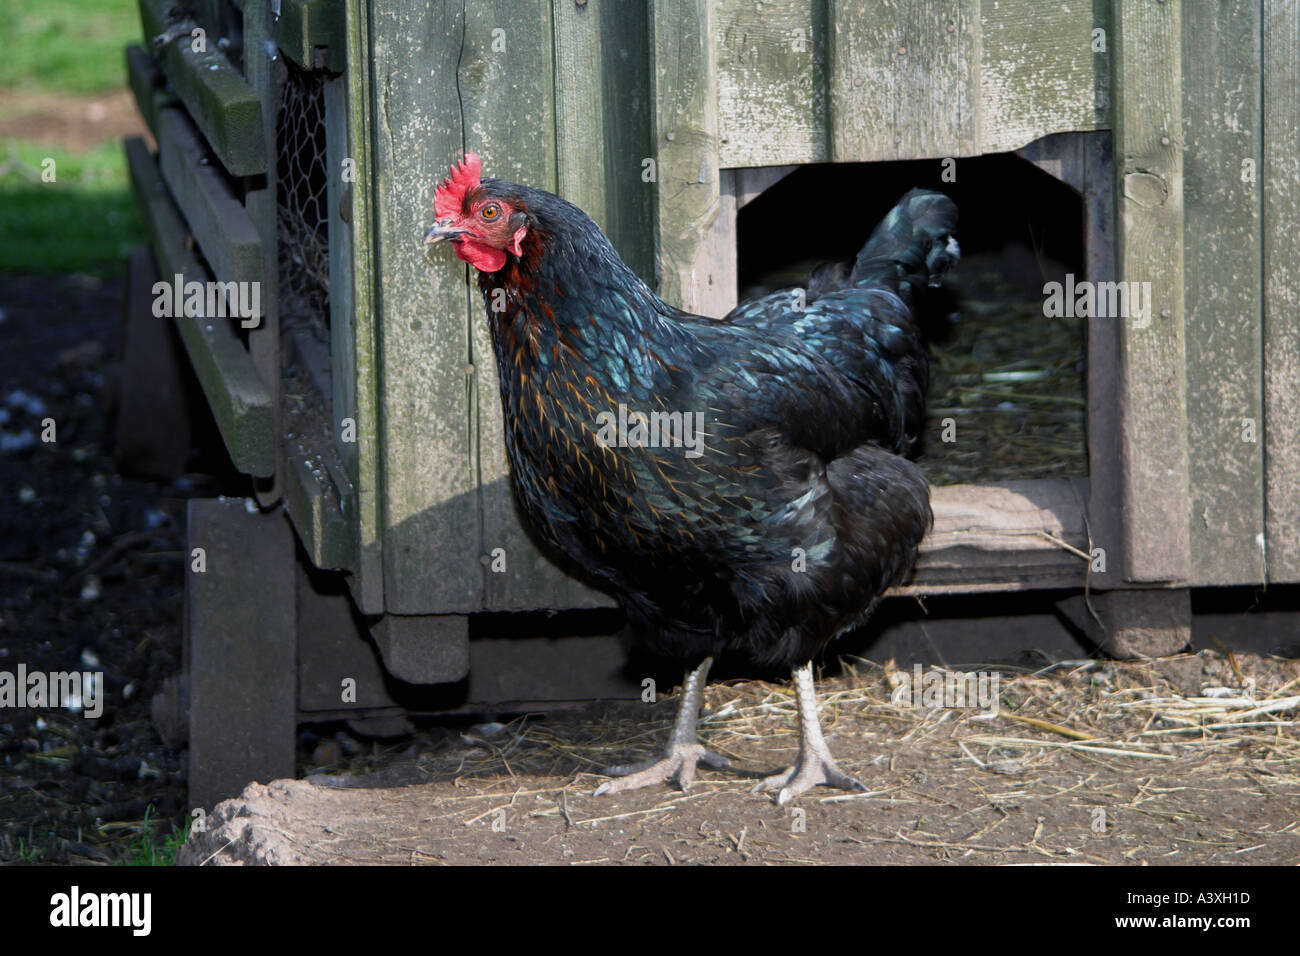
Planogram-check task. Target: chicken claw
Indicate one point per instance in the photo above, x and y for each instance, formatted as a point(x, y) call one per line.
point(684, 748)
point(815, 764)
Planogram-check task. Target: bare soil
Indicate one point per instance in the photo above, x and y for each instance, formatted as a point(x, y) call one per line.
point(74, 123)
point(1172, 773)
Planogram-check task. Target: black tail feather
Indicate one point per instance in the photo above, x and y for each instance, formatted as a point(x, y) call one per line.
point(913, 245)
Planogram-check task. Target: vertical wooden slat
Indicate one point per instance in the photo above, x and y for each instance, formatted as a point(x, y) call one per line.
point(1221, 157)
point(1280, 181)
point(694, 215)
point(359, 302)
point(512, 125)
point(1105, 477)
point(1149, 237)
point(629, 134)
point(904, 79)
point(264, 341)
point(580, 106)
point(430, 494)
point(772, 90)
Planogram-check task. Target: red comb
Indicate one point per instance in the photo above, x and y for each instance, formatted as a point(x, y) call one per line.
point(449, 198)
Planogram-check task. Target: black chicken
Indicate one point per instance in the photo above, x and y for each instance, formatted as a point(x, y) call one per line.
point(735, 482)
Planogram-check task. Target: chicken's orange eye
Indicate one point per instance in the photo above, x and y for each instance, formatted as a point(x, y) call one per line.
point(490, 211)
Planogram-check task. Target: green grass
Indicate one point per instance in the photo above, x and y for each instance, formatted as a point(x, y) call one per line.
point(66, 46)
point(84, 221)
point(148, 850)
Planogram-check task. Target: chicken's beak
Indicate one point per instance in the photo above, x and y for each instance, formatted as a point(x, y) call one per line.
point(443, 229)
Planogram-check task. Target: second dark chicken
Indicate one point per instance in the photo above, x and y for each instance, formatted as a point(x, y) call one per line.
point(735, 483)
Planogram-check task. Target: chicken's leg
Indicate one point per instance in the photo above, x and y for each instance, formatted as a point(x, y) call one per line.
point(815, 764)
point(684, 747)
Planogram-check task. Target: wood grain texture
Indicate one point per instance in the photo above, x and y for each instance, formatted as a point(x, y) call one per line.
point(1010, 536)
point(807, 81)
point(517, 129)
point(1281, 187)
point(1149, 237)
point(353, 292)
point(771, 60)
point(1222, 131)
point(694, 216)
point(1038, 72)
point(429, 487)
point(904, 79)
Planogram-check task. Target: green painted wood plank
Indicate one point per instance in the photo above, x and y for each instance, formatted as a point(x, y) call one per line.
point(1149, 249)
point(1280, 181)
point(238, 398)
point(315, 509)
point(358, 301)
point(260, 203)
point(225, 233)
point(904, 79)
point(429, 486)
point(1222, 131)
point(312, 34)
point(772, 82)
point(224, 107)
point(694, 214)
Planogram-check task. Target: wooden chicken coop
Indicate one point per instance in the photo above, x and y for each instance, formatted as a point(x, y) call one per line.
point(299, 145)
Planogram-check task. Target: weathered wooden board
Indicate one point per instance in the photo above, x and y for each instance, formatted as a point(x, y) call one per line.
point(904, 79)
point(515, 127)
point(1149, 243)
point(694, 213)
point(1105, 475)
point(238, 398)
point(555, 135)
point(223, 105)
point(772, 89)
point(422, 348)
point(260, 202)
point(1010, 536)
point(807, 81)
point(1280, 182)
point(1221, 158)
point(225, 233)
point(353, 297)
point(1043, 69)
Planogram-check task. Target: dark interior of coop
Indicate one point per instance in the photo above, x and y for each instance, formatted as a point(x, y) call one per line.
point(1007, 379)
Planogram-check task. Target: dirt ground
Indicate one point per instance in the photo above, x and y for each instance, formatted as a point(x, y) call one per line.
point(1168, 762)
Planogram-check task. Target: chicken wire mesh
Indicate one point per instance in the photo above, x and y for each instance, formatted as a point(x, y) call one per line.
point(302, 220)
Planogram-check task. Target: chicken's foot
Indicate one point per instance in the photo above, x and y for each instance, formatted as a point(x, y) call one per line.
point(684, 747)
point(815, 764)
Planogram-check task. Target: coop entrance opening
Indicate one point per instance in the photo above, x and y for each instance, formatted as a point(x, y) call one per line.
point(1007, 396)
